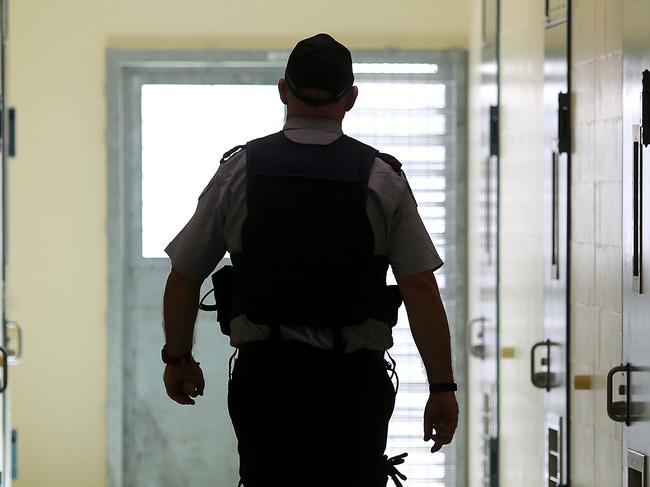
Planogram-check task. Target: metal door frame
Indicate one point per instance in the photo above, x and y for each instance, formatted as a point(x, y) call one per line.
point(557, 13)
point(122, 67)
point(489, 154)
point(631, 405)
point(6, 470)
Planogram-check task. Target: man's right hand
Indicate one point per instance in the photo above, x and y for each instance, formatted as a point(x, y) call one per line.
point(184, 382)
point(441, 414)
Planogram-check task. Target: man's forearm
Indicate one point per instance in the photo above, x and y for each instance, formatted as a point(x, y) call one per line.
point(429, 325)
point(180, 306)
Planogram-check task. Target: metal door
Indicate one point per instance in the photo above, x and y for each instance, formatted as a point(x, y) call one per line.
point(549, 361)
point(177, 123)
point(630, 401)
point(6, 359)
point(483, 332)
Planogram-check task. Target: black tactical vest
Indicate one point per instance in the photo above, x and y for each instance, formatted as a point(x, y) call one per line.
point(307, 243)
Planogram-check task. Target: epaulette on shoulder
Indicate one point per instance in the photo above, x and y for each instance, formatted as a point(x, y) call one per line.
point(231, 153)
point(397, 167)
point(391, 161)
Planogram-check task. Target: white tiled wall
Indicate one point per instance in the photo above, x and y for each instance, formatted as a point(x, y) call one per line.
point(522, 259)
point(596, 243)
point(474, 243)
point(596, 308)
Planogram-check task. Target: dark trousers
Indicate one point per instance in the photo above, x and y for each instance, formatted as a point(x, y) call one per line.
point(311, 418)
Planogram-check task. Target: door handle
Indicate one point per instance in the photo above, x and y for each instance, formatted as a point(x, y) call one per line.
point(476, 350)
point(15, 355)
point(637, 192)
point(541, 380)
point(555, 216)
point(619, 411)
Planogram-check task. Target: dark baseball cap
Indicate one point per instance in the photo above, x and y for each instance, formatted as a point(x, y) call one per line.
point(319, 62)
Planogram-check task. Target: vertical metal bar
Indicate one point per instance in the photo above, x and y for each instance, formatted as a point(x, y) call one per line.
point(555, 267)
point(563, 123)
point(11, 132)
point(494, 130)
point(548, 365)
point(637, 192)
point(5, 370)
point(628, 393)
point(488, 210)
point(645, 108)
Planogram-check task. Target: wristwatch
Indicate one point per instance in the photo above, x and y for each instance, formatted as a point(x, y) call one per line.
point(169, 360)
point(443, 387)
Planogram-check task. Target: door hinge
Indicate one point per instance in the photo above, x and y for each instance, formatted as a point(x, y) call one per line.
point(494, 130)
point(645, 109)
point(14, 454)
point(564, 123)
point(11, 135)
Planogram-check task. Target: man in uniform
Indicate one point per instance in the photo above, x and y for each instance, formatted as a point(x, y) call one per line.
point(312, 220)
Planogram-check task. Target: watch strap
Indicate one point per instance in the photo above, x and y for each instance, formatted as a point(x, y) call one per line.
point(443, 387)
point(174, 361)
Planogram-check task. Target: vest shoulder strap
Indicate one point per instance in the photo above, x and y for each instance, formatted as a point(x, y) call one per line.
point(227, 155)
point(391, 161)
point(397, 167)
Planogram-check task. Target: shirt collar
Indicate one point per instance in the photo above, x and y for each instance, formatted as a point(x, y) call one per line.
point(313, 123)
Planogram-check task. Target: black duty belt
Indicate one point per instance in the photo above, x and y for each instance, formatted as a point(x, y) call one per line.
point(298, 348)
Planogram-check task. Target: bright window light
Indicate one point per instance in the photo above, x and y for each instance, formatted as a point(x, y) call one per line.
point(394, 68)
point(410, 120)
point(185, 131)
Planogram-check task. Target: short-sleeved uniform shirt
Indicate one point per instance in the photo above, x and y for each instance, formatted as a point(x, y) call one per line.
point(215, 228)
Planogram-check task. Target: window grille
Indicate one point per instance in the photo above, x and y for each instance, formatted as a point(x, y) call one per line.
point(412, 110)
point(411, 105)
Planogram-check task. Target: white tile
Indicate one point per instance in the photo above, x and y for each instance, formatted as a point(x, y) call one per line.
point(582, 454)
point(610, 352)
point(583, 31)
point(582, 213)
point(609, 269)
point(608, 461)
point(610, 85)
point(584, 91)
point(609, 214)
point(582, 401)
point(583, 273)
point(602, 423)
point(582, 157)
point(608, 150)
point(600, 14)
point(614, 26)
point(584, 334)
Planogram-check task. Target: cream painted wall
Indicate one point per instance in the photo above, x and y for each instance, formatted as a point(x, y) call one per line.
point(57, 184)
